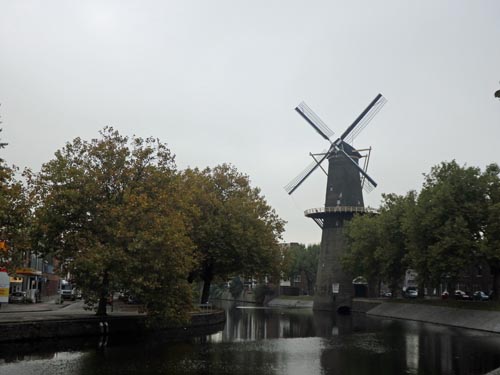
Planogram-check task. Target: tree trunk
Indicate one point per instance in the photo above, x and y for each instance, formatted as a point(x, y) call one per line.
point(207, 278)
point(310, 286)
point(421, 290)
point(103, 298)
point(372, 288)
point(396, 290)
point(206, 290)
point(495, 272)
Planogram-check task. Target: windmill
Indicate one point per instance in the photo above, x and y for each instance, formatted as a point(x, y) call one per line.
point(346, 180)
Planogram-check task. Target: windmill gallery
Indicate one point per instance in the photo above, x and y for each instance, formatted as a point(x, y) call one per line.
point(346, 180)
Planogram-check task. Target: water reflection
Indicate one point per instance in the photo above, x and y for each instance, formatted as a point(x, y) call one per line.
point(257, 324)
point(266, 341)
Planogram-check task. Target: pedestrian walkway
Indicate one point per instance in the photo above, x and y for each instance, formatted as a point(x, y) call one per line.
point(27, 322)
point(52, 309)
point(50, 304)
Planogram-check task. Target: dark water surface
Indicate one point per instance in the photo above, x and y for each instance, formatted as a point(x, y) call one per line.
point(267, 341)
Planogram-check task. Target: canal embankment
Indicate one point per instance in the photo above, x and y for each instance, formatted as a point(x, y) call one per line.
point(358, 305)
point(290, 303)
point(245, 297)
point(74, 321)
point(461, 318)
point(481, 320)
point(50, 327)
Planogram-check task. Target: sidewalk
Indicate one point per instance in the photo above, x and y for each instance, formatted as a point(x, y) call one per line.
point(48, 305)
point(52, 310)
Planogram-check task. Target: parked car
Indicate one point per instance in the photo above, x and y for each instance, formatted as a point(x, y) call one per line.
point(78, 294)
point(480, 296)
point(17, 297)
point(460, 294)
point(387, 294)
point(445, 295)
point(133, 300)
point(411, 293)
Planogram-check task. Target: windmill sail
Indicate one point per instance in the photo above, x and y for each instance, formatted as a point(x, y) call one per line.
point(314, 120)
point(338, 145)
point(363, 119)
point(297, 181)
point(369, 182)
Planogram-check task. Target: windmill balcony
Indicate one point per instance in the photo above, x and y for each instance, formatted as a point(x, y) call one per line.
point(321, 211)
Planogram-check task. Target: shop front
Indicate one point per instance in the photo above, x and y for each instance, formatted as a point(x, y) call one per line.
point(31, 283)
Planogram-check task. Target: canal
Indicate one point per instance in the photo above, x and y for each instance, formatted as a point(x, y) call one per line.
point(270, 341)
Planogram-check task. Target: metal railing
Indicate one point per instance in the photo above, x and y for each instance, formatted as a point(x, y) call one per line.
point(321, 210)
point(206, 306)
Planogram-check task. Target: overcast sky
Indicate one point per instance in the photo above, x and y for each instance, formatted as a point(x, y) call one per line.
point(218, 82)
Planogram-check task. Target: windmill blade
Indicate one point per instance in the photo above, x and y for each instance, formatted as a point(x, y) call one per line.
point(365, 168)
point(314, 120)
point(369, 183)
point(297, 181)
point(364, 118)
point(316, 160)
point(368, 186)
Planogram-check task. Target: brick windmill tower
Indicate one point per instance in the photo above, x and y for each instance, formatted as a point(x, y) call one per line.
point(346, 180)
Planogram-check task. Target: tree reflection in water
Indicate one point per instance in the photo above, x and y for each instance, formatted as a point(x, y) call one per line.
point(268, 341)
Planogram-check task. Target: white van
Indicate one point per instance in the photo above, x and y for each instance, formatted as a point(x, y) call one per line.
point(67, 290)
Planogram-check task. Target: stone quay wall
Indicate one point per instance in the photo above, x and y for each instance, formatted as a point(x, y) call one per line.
point(462, 318)
point(201, 324)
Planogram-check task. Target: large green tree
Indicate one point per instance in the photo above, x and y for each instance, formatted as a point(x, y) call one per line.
point(452, 225)
point(376, 244)
point(490, 249)
point(113, 210)
point(445, 228)
point(362, 239)
point(300, 259)
point(235, 230)
point(392, 251)
point(15, 217)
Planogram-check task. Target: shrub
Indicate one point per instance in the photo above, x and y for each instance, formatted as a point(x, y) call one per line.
point(261, 291)
point(236, 287)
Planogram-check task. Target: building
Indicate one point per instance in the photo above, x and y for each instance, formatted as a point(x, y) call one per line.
point(36, 278)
